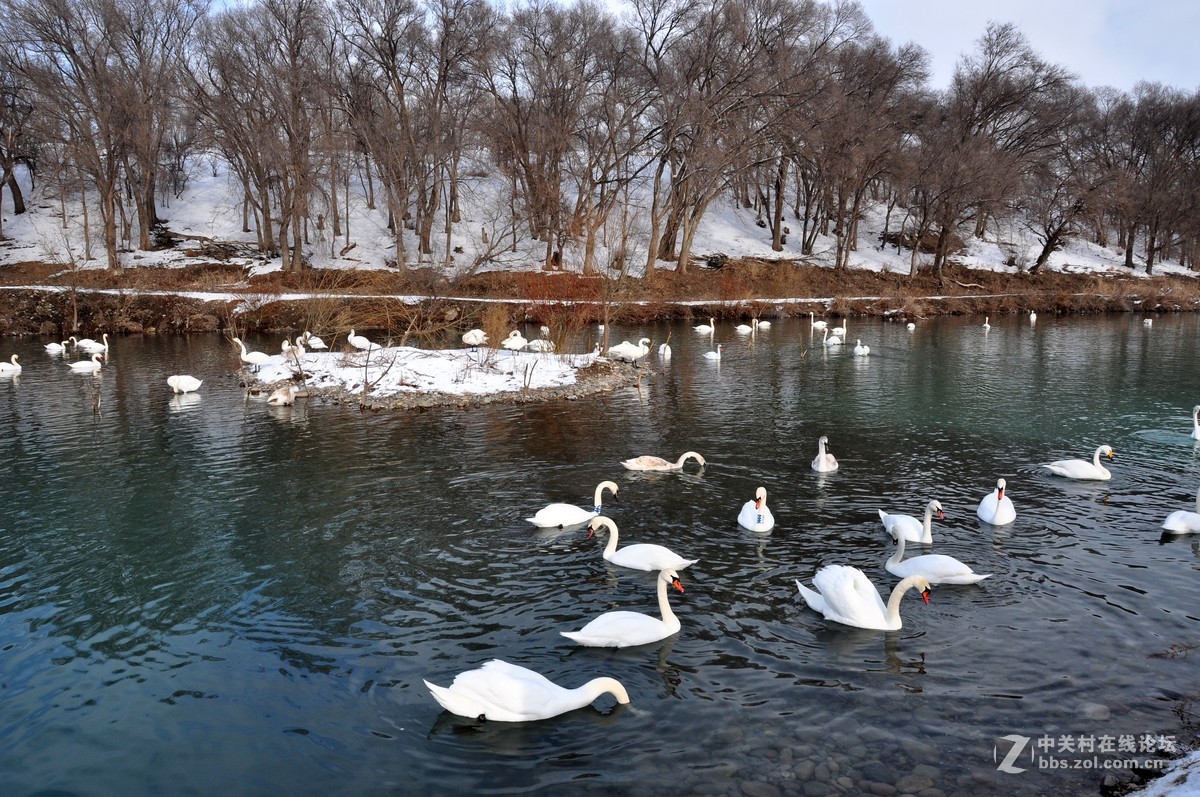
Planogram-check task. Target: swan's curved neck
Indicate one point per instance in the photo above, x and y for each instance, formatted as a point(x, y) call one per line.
point(898, 556)
point(599, 498)
point(893, 604)
point(601, 686)
point(821, 447)
point(927, 525)
point(1198, 502)
point(611, 548)
point(664, 605)
point(1096, 462)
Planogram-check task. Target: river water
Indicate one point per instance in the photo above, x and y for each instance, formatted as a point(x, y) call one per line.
point(207, 595)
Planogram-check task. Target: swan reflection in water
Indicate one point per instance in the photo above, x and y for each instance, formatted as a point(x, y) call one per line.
point(184, 402)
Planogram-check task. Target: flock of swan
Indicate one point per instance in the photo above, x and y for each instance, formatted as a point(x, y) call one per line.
point(842, 594)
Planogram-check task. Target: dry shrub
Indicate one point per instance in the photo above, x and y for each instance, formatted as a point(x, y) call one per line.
point(496, 322)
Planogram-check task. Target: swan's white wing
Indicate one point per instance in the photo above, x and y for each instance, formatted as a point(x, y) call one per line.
point(648, 462)
point(850, 598)
point(622, 629)
point(1182, 522)
point(555, 515)
point(937, 568)
point(907, 525)
point(647, 556)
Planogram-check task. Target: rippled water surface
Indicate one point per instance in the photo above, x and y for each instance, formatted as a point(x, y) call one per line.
point(206, 595)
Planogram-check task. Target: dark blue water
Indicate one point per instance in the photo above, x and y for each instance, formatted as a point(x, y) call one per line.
point(209, 595)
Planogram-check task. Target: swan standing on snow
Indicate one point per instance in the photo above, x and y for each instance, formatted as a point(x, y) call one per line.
point(824, 462)
point(515, 341)
point(86, 366)
point(1196, 422)
point(1082, 469)
point(360, 342)
point(935, 567)
point(860, 349)
point(708, 328)
point(182, 383)
point(504, 692)
point(996, 507)
point(909, 527)
point(756, 515)
point(627, 352)
point(621, 629)
point(716, 354)
point(648, 462)
point(1182, 521)
point(639, 556)
point(12, 367)
point(845, 595)
point(312, 341)
point(254, 358)
point(562, 515)
point(474, 337)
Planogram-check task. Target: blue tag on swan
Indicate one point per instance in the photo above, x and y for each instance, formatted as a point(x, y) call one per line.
point(760, 518)
point(597, 509)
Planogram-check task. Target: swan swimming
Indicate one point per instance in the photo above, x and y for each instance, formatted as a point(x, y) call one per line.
point(935, 567)
point(996, 507)
point(561, 515)
point(86, 366)
point(623, 629)
point(1082, 469)
point(1181, 521)
point(649, 462)
point(182, 383)
point(756, 515)
point(909, 527)
point(56, 348)
point(504, 692)
point(828, 340)
point(87, 344)
point(716, 354)
point(861, 350)
point(816, 323)
point(824, 462)
point(845, 595)
point(710, 327)
point(639, 556)
point(284, 396)
point(1196, 422)
point(12, 367)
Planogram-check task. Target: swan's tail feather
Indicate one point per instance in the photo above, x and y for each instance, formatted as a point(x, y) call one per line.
point(813, 599)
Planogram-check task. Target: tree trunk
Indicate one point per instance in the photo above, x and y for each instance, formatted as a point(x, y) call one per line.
point(777, 217)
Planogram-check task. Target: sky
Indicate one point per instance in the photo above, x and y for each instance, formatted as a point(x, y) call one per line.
point(1104, 42)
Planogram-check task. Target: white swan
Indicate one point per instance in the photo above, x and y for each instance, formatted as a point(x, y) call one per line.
point(360, 342)
point(639, 556)
point(711, 326)
point(12, 367)
point(845, 595)
point(836, 340)
point(627, 352)
point(839, 332)
point(1182, 521)
point(824, 462)
point(649, 462)
point(562, 515)
point(664, 351)
point(542, 345)
point(56, 348)
point(911, 326)
point(312, 341)
point(86, 366)
point(860, 349)
point(715, 354)
point(1196, 422)
point(622, 629)
point(474, 337)
point(986, 325)
point(996, 507)
point(182, 383)
point(284, 396)
point(817, 323)
point(756, 515)
point(87, 344)
point(744, 329)
point(1082, 469)
point(504, 692)
point(909, 527)
point(1032, 316)
point(935, 567)
point(1147, 322)
point(254, 358)
point(761, 324)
